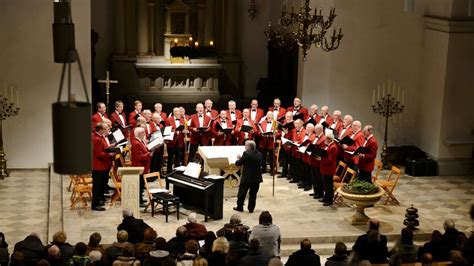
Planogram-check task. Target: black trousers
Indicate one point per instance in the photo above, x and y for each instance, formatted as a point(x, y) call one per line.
point(317, 181)
point(307, 180)
point(98, 178)
point(174, 156)
point(192, 152)
point(142, 188)
point(292, 167)
point(252, 189)
point(365, 176)
point(328, 188)
point(267, 153)
point(300, 173)
point(284, 162)
point(157, 160)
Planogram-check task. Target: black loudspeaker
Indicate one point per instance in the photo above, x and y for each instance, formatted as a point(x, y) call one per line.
point(63, 33)
point(72, 145)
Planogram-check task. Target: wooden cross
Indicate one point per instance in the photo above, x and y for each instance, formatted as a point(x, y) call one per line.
point(107, 81)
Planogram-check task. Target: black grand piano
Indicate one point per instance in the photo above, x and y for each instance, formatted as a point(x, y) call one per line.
point(204, 196)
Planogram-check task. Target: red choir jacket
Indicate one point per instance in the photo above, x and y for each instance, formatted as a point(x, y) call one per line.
point(358, 141)
point(178, 138)
point(327, 119)
point(305, 156)
point(213, 114)
point(336, 125)
point(114, 117)
point(259, 114)
point(97, 118)
point(266, 142)
point(316, 118)
point(328, 164)
point(101, 160)
point(224, 139)
point(298, 138)
point(131, 118)
point(238, 115)
point(301, 110)
point(140, 155)
point(313, 162)
point(201, 138)
point(150, 129)
point(240, 135)
point(348, 132)
point(366, 163)
point(281, 111)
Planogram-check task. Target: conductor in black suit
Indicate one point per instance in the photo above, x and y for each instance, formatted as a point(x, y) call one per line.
point(251, 162)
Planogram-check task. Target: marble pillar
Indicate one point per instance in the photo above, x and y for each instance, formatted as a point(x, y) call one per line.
point(131, 188)
point(119, 27)
point(142, 27)
point(209, 22)
point(151, 27)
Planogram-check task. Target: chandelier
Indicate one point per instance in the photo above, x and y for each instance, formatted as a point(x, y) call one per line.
point(303, 29)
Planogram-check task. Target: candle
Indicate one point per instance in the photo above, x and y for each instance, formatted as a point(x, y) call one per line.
point(11, 88)
point(17, 99)
point(383, 90)
point(211, 43)
point(403, 97)
point(5, 95)
point(190, 39)
point(196, 44)
point(378, 92)
point(373, 97)
point(398, 93)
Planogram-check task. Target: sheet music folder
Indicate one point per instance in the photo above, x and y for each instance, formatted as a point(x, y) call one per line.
point(346, 140)
point(360, 150)
point(246, 128)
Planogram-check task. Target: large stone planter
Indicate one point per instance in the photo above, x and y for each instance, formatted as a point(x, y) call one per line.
point(360, 202)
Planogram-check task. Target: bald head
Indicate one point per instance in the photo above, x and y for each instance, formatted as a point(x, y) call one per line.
point(318, 129)
point(368, 130)
point(347, 120)
point(336, 115)
point(199, 108)
point(324, 110)
point(298, 124)
point(309, 128)
point(313, 109)
point(356, 126)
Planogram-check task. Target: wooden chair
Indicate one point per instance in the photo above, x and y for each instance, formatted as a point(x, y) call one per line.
point(390, 184)
point(340, 171)
point(348, 175)
point(72, 183)
point(277, 155)
point(117, 179)
point(82, 188)
point(379, 166)
point(152, 187)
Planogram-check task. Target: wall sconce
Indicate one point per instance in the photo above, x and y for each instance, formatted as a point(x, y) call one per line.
point(253, 9)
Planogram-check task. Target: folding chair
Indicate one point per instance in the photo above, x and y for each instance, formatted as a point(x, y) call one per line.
point(153, 187)
point(348, 175)
point(379, 166)
point(72, 183)
point(340, 171)
point(81, 189)
point(389, 185)
point(117, 179)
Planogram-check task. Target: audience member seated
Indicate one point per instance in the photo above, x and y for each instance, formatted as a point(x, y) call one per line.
point(238, 243)
point(200, 261)
point(457, 258)
point(54, 256)
point(18, 259)
point(426, 259)
point(80, 257)
point(142, 249)
point(275, 261)
point(134, 227)
point(340, 257)
point(94, 243)
point(96, 257)
point(220, 248)
point(232, 259)
point(468, 249)
point(187, 258)
point(195, 230)
point(176, 245)
point(267, 234)
point(116, 250)
point(234, 222)
point(31, 249)
point(160, 243)
point(405, 251)
point(305, 256)
point(435, 247)
point(450, 236)
point(66, 249)
point(4, 256)
point(372, 246)
point(254, 256)
point(42, 263)
point(126, 258)
point(159, 257)
point(206, 249)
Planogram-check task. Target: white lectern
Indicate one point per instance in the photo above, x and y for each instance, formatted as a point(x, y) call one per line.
point(131, 188)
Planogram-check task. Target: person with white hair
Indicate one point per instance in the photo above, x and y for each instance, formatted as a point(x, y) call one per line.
point(296, 164)
point(212, 113)
point(134, 227)
point(267, 128)
point(233, 113)
point(357, 136)
point(278, 111)
point(286, 151)
point(132, 117)
point(159, 111)
point(200, 130)
point(150, 127)
point(194, 229)
point(306, 169)
point(325, 117)
point(315, 165)
point(313, 115)
point(298, 110)
point(256, 113)
point(251, 162)
point(141, 157)
point(176, 145)
point(336, 121)
point(346, 129)
point(242, 135)
point(220, 130)
point(367, 160)
point(328, 167)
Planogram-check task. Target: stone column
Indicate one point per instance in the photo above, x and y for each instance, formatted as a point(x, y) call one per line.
point(160, 27)
point(200, 22)
point(131, 188)
point(119, 27)
point(209, 22)
point(142, 30)
point(231, 30)
point(151, 27)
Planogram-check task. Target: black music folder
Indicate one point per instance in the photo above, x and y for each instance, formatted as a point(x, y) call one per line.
point(360, 150)
point(325, 124)
point(310, 147)
point(113, 150)
point(202, 129)
point(287, 126)
point(246, 128)
point(346, 140)
point(310, 121)
point(225, 130)
point(318, 151)
point(281, 119)
point(179, 128)
point(298, 116)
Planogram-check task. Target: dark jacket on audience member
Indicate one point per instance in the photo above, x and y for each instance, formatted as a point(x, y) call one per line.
point(4, 257)
point(134, 228)
point(239, 247)
point(31, 247)
point(66, 250)
point(449, 239)
point(176, 246)
point(436, 249)
point(195, 231)
point(216, 259)
point(374, 251)
point(114, 251)
point(337, 260)
point(304, 257)
point(254, 258)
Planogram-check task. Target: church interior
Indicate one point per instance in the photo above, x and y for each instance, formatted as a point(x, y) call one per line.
point(399, 71)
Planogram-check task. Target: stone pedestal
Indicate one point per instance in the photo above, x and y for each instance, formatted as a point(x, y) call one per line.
point(131, 188)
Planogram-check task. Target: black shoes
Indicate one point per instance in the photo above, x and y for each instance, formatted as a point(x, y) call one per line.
point(238, 209)
point(321, 200)
point(293, 181)
point(307, 188)
point(98, 208)
point(251, 211)
point(327, 203)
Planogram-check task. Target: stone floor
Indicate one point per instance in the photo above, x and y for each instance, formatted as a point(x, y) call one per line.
point(30, 203)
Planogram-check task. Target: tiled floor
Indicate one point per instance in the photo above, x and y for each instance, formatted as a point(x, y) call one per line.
point(24, 209)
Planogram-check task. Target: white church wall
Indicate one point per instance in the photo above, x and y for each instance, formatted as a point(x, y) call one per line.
point(26, 53)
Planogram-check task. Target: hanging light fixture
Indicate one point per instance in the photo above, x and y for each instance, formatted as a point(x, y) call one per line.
point(303, 29)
